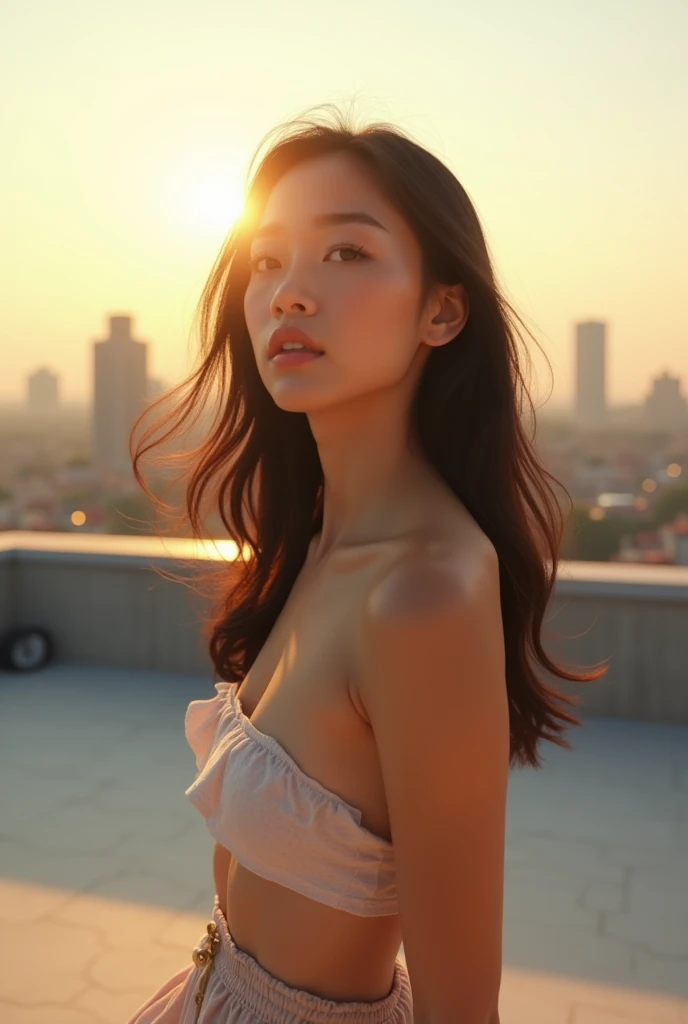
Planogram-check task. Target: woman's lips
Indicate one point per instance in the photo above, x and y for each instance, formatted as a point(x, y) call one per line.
point(295, 357)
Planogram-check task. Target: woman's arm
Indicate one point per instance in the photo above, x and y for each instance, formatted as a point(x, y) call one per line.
point(432, 683)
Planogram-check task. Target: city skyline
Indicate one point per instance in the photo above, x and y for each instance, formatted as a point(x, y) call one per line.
point(587, 405)
point(561, 126)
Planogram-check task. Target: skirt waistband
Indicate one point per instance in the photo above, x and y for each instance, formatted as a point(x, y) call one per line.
point(276, 1002)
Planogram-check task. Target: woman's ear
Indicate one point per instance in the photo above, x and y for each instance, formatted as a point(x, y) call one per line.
point(448, 312)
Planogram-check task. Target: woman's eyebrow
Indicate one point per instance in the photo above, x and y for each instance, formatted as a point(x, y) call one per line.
point(321, 220)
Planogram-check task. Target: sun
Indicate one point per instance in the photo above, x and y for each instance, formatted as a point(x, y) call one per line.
point(214, 203)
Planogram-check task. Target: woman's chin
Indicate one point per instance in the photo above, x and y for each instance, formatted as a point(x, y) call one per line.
point(289, 400)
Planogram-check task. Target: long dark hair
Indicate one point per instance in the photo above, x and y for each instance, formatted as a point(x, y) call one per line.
point(472, 414)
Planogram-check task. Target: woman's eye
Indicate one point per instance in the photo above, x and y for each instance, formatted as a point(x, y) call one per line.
point(356, 249)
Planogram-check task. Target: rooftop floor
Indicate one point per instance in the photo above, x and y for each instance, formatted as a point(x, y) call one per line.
point(100, 848)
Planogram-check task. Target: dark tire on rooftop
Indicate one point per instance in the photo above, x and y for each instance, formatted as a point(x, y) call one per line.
point(25, 648)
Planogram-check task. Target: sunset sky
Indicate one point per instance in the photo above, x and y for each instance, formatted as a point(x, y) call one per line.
point(127, 130)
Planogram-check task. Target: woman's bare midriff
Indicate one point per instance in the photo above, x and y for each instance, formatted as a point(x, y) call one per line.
point(308, 945)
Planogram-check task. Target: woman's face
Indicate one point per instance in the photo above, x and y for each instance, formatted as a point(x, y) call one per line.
point(360, 307)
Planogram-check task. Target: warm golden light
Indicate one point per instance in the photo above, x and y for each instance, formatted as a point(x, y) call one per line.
point(218, 550)
point(673, 469)
point(649, 485)
point(214, 203)
point(641, 503)
point(78, 518)
point(596, 512)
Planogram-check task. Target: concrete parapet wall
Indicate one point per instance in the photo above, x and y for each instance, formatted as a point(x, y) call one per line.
point(105, 604)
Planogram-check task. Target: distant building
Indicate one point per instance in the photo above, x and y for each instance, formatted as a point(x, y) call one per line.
point(42, 392)
point(156, 388)
point(76, 473)
point(665, 406)
point(591, 376)
point(668, 545)
point(675, 536)
point(619, 504)
point(7, 511)
point(626, 415)
point(120, 394)
point(592, 475)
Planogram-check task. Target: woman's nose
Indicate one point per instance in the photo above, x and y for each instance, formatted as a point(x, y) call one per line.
point(287, 298)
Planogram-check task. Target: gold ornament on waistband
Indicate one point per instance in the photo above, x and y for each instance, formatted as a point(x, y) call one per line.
point(202, 956)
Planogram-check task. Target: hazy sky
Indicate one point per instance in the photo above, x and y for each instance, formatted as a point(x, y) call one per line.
point(128, 128)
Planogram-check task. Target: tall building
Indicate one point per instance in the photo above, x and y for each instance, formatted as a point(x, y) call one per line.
point(42, 391)
point(119, 394)
point(156, 387)
point(591, 376)
point(665, 406)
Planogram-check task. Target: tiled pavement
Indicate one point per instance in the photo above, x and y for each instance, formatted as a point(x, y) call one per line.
point(105, 869)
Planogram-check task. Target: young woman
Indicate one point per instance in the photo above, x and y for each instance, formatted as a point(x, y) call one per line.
point(377, 650)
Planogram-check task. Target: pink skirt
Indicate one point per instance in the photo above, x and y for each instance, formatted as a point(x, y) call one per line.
point(225, 985)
